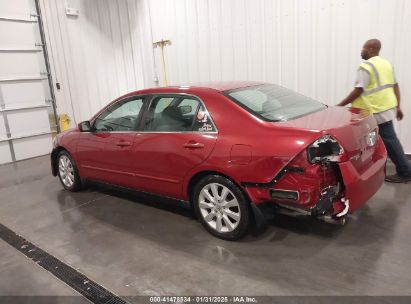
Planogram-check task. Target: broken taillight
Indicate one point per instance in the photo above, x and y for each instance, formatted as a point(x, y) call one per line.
point(326, 149)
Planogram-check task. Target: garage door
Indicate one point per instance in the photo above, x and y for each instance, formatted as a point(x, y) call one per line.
point(27, 112)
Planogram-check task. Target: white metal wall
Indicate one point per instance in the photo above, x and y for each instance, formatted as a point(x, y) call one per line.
point(96, 56)
point(312, 46)
point(27, 118)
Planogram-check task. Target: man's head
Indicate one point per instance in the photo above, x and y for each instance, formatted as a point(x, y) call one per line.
point(370, 49)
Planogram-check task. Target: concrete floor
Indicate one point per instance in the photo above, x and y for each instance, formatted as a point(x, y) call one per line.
point(137, 245)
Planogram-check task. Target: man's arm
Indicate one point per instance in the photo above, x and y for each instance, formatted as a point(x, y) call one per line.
point(351, 97)
point(400, 115)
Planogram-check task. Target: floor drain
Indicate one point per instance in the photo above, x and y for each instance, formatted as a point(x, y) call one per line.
point(78, 281)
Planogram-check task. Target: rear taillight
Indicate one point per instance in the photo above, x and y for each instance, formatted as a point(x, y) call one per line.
point(326, 149)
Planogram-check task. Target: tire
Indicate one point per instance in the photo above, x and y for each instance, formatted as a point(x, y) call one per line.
point(221, 207)
point(67, 172)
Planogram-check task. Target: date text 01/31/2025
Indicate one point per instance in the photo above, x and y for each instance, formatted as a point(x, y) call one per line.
point(202, 299)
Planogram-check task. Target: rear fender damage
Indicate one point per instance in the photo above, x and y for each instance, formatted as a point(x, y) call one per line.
point(321, 181)
point(311, 184)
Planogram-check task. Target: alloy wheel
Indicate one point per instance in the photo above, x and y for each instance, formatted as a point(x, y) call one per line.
point(66, 171)
point(219, 207)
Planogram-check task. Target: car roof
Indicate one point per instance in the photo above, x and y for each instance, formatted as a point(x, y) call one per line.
point(222, 86)
point(219, 86)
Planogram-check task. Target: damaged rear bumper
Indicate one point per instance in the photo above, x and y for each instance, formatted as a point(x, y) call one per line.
point(331, 207)
point(361, 186)
point(328, 195)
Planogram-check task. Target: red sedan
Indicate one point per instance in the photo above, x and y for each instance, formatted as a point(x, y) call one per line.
point(226, 148)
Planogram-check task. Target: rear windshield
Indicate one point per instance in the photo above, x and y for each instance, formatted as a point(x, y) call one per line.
point(274, 103)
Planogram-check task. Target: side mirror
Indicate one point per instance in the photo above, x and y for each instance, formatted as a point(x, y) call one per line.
point(84, 126)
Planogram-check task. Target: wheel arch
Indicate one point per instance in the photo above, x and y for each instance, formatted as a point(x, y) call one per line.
point(54, 155)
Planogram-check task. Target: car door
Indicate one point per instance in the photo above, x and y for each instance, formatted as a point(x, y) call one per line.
point(176, 135)
point(105, 152)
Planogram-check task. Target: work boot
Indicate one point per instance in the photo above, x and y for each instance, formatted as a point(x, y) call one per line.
point(395, 178)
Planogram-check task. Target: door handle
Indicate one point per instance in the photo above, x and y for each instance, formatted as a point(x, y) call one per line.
point(193, 145)
point(123, 143)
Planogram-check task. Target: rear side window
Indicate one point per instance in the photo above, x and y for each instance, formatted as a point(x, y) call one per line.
point(166, 115)
point(177, 114)
point(274, 103)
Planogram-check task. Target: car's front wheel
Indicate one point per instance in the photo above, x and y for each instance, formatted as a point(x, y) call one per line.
point(221, 207)
point(67, 172)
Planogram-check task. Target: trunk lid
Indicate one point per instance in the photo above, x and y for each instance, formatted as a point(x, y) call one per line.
point(352, 128)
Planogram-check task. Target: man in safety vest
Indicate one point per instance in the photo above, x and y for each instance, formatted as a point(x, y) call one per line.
point(377, 91)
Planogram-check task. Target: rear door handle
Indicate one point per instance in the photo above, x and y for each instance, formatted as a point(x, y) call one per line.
point(193, 145)
point(123, 143)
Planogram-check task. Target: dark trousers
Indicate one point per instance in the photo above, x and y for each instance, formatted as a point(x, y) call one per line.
point(394, 149)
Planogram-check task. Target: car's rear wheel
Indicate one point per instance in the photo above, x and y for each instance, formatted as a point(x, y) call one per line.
point(67, 172)
point(221, 207)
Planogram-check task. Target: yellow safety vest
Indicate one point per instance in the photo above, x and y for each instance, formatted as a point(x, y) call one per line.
point(379, 95)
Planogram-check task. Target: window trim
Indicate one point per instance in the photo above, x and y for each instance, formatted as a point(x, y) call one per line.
point(150, 99)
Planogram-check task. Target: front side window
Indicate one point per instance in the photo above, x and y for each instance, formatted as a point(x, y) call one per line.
point(122, 116)
point(274, 103)
point(175, 114)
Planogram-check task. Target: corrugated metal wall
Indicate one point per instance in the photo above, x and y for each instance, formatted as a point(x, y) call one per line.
point(96, 56)
point(312, 46)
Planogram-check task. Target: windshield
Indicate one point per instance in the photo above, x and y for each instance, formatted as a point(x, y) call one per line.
point(274, 103)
